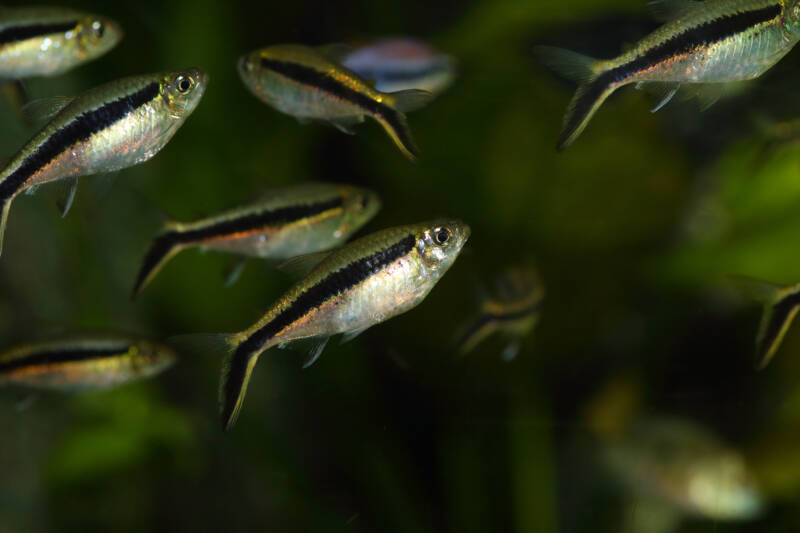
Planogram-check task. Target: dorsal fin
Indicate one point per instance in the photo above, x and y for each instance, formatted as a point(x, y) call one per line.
point(42, 110)
point(666, 10)
point(336, 52)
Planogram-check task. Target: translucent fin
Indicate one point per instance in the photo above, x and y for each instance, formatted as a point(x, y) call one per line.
point(301, 265)
point(163, 248)
point(572, 65)
point(44, 109)
point(350, 335)
point(411, 99)
point(589, 95)
point(235, 272)
point(30, 191)
point(4, 220)
point(396, 126)
point(345, 125)
point(68, 196)
point(666, 10)
point(336, 52)
point(236, 372)
point(17, 97)
point(316, 351)
point(511, 351)
point(663, 92)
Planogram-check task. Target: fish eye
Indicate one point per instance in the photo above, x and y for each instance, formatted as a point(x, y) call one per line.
point(362, 202)
point(184, 84)
point(99, 29)
point(442, 235)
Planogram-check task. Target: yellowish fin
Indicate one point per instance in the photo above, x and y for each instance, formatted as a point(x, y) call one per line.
point(781, 304)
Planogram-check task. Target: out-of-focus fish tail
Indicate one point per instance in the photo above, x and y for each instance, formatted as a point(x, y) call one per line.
point(591, 93)
point(236, 372)
point(781, 304)
point(473, 333)
point(6, 206)
point(164, 247)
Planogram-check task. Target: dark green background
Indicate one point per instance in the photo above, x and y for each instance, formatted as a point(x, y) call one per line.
point(633, 228)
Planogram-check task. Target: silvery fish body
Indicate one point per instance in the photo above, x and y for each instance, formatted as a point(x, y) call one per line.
point(289, 222)
point(46, 41)
point(111, 127)
point(309, 84)
point(368, 281)
point(400, 64)
point(83, 363)
point(715, 41)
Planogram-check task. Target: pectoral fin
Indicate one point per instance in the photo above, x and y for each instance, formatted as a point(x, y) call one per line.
point(68, 196)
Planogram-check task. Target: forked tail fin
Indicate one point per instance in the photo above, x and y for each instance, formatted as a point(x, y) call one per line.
point(164, 247)
point(781, 304)
point(591, 93)
point(236, 372)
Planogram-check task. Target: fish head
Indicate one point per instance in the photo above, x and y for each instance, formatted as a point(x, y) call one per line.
point(360, 206)
point(149, 358)
point(97, 35)
point(439, 242)
point(251, 72)
point(182, 90)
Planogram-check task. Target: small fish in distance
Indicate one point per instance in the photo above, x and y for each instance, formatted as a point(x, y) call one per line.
point(710, 42)
point(47, 41)
point(512, 310)
point(108, 128)
point(83, 363)
point(310, 84)
point(399, 64)
point(368, 281)
point(289, 222)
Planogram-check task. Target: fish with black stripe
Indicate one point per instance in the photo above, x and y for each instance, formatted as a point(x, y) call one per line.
point(289, 222)
point(311, 84)
point(710, 42)
point(512, 310)
point(47, 41)
point(108, 128)
point(93, 362)
point(365, 283)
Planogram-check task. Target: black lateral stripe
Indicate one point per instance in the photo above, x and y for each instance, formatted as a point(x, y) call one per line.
point(255, 221)
point(67, 355)
point(168, 240)
point(780, 313)
point(14, 34)
point(680, 44)
point(78, 130)
point(331, 285)
point(315, 78)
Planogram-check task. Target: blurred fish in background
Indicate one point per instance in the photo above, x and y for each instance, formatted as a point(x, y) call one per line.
point(512, 310)
point(91, 362)
point(402, 63)
point(289, 222)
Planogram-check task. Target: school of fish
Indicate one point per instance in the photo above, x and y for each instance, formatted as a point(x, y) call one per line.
point(346, 287)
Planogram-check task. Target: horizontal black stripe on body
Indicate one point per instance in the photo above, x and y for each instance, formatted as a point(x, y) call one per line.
point(681, 44)
point(14, 34)
point(310, 76)
point(67, 355)
point(331, 285)
point(78, 130)
point(167, 241)
point(780, 313)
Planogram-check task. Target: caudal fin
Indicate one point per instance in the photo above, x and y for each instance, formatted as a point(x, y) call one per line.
point(395, 124)
point(781, 304)
point(164, 247)
point(591, 93)
point(474, 333)
point(6, 206)
point(236, 372)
